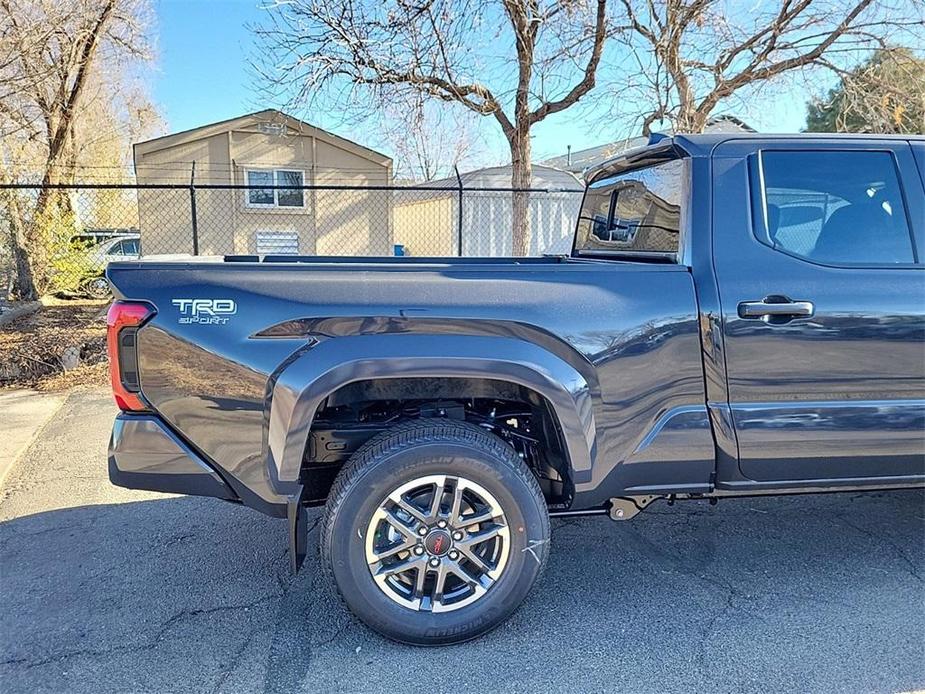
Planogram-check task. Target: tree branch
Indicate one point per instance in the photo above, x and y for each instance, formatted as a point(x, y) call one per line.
point(589, 76)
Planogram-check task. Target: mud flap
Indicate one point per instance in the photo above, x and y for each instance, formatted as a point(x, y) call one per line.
point(298, 530)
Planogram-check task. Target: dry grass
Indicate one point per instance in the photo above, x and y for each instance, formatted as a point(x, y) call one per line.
point(31, 346)
point(92, 375)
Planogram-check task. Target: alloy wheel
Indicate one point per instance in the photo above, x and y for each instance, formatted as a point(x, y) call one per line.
point(437, 543)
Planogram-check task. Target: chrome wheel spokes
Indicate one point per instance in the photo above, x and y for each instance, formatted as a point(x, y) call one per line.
point(437, 543)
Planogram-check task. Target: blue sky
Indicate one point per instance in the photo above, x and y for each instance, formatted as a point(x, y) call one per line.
point(202, 76)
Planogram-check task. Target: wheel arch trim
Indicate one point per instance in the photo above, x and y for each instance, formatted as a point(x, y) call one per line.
point(304, 382)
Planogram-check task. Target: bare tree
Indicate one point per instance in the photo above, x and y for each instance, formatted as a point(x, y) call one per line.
point(55, 58)
point(356, 54)
point(427, 140)
point(692, 55)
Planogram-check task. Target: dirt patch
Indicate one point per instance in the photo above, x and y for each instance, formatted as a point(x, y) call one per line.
point(61, 345)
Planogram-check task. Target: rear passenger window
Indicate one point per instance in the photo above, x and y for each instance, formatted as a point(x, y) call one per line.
point(635, 213)
point(834, 208)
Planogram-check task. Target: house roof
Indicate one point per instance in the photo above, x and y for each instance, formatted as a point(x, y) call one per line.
point(578, 161)
point(543, 177)
point(267, 115)
point(488, 181)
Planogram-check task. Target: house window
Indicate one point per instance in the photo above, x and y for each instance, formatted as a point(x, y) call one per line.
point(289, 197)
point(277, 243)
point(274, 196)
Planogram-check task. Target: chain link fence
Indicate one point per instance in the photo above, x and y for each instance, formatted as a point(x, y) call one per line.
point(72, 231)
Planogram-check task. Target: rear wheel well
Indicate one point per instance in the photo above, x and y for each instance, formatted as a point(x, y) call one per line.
point(356, 412)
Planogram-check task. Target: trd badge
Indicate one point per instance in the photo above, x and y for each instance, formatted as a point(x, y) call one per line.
point(205, 311)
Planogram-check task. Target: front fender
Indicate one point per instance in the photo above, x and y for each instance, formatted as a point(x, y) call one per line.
point(306, 380)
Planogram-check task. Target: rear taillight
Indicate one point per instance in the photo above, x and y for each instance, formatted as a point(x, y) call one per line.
point(123, 320)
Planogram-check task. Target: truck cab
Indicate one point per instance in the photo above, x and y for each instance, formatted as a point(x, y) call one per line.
point(806, 258)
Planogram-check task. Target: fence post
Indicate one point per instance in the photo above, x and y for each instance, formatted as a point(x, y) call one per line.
point(192, 206)
point(459, 215)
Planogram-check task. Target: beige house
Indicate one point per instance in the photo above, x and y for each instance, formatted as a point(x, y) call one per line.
point(268, 148)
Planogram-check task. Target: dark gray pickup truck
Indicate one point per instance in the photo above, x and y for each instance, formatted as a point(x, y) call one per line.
point(739, 315)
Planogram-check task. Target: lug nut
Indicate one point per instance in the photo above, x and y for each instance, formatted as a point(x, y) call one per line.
point(434, 561)
point(458, 535)
point(419, 550)
point(454, 555)
point(441, 524)
point(422, 531)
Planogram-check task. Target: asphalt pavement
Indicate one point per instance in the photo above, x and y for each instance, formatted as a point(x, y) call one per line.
point(109, 590)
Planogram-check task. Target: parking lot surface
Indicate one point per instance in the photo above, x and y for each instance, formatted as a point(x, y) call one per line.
point(110, 590)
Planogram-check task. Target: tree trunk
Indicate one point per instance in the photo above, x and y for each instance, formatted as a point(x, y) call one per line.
point(41, 235)
point(521, 178)
point(23, 281)
point(691, 119)
point(59, 165)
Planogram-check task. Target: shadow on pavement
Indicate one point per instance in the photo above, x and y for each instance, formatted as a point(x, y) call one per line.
point(821, 593)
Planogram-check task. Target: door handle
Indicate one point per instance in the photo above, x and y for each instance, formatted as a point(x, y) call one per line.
point(776, 307)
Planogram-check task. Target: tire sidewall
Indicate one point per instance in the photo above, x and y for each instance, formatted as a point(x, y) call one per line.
point(529, 539)
point(97, 291)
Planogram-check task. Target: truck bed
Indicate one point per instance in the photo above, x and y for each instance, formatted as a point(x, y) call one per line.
point(628, 329)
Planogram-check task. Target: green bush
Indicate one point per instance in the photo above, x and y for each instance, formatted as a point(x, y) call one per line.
point(68, 263)
point(72, 266)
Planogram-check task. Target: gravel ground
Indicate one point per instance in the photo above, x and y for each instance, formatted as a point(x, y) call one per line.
point(109, 590)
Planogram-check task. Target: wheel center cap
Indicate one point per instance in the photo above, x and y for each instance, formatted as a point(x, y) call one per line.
point(437, 542)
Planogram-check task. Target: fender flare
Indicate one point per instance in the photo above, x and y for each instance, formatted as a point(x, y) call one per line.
point(308, 378)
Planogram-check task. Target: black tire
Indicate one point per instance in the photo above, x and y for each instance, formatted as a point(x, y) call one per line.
point(399, 456)
point(97, 288)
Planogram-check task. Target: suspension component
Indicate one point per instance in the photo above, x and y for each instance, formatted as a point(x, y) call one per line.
point(625, 508)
